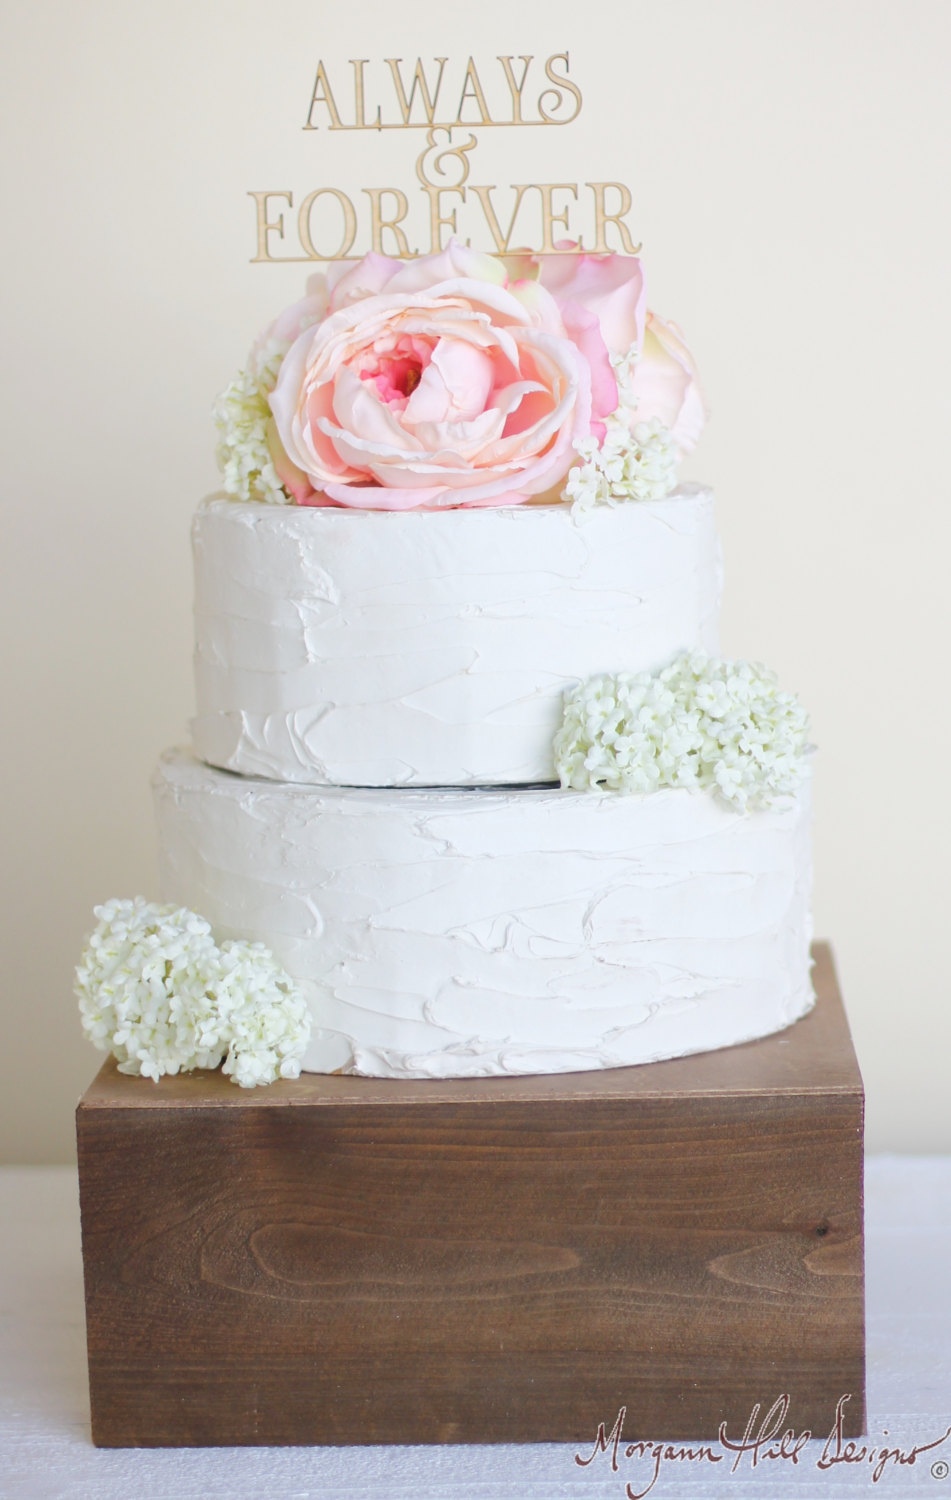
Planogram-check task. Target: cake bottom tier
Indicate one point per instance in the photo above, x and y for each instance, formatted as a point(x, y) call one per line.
point(446, 934)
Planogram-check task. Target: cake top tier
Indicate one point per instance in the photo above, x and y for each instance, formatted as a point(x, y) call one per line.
point(529, 412)
point(463, 380)
point(432, 648)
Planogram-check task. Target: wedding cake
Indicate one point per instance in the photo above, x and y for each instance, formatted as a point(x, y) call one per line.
point(465, 758)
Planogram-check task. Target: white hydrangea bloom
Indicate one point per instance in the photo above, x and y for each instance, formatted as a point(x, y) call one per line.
point(700, 722)
point(242, 414)
point(142, 985)
point(156, 990)
point(638, 463)
point(266, 1019)
point(635, 461)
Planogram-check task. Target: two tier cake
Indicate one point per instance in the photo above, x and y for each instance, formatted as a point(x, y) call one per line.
point(465, 758)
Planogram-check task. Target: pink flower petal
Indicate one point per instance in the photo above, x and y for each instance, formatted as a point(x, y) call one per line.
point(367, 278)
point(610, 286)
point(357, 408)
point(319, 500)
point(543, 310)
point(456, 262)
point(585, 331)
point(666, 383)
point(360, 454)
point(294, 480)
point(456, 384)
point(470, 440)
point(376, 497)
point(297, 405)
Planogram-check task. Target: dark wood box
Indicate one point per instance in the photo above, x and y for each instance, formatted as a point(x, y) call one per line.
point(344, 1260)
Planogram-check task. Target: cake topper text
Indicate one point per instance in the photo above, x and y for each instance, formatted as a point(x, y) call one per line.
point(325, 223)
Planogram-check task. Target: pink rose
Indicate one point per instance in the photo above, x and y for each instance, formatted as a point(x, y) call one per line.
point(440, 382)
point(665, 380)
point(609, 286)
point(666, 383)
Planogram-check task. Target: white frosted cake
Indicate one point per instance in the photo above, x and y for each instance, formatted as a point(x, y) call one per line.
point(432, 648)
point(465, 760)
point(439, 933)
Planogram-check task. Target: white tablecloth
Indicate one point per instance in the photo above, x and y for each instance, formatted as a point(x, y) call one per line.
point(45, 1449)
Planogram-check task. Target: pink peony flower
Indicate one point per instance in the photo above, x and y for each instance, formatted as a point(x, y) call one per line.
point(442, 382)
point(609, 286)
point(665, 382)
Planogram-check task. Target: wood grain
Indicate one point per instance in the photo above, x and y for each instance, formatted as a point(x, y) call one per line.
point(343, 1260)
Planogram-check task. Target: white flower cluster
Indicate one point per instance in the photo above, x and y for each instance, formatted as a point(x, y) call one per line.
point(265, 1018)
point(638, 463)
point(242, 414)
point(636, 460)
point(701, 723)
point(156, 990)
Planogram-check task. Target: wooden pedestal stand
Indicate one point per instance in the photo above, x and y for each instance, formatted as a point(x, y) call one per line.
point(346, 1260)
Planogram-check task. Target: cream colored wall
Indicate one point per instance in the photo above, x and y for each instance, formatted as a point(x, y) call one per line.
point(786, 162)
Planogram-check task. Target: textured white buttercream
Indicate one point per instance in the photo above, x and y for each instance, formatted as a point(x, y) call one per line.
point(431, 648)
point(445, 933)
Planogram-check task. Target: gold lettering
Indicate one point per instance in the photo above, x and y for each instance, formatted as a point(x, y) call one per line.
point(349, 225)
point(323, 82)
point(460, 154)
point(359, 103)
point(562, 82)
point(437, 219)
point(476, 94)
point(515, 89)
point(264, 227)
point(419, 82)
point(602, 218)
point(484, 195)
point(378, 223)
point(549, 217)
